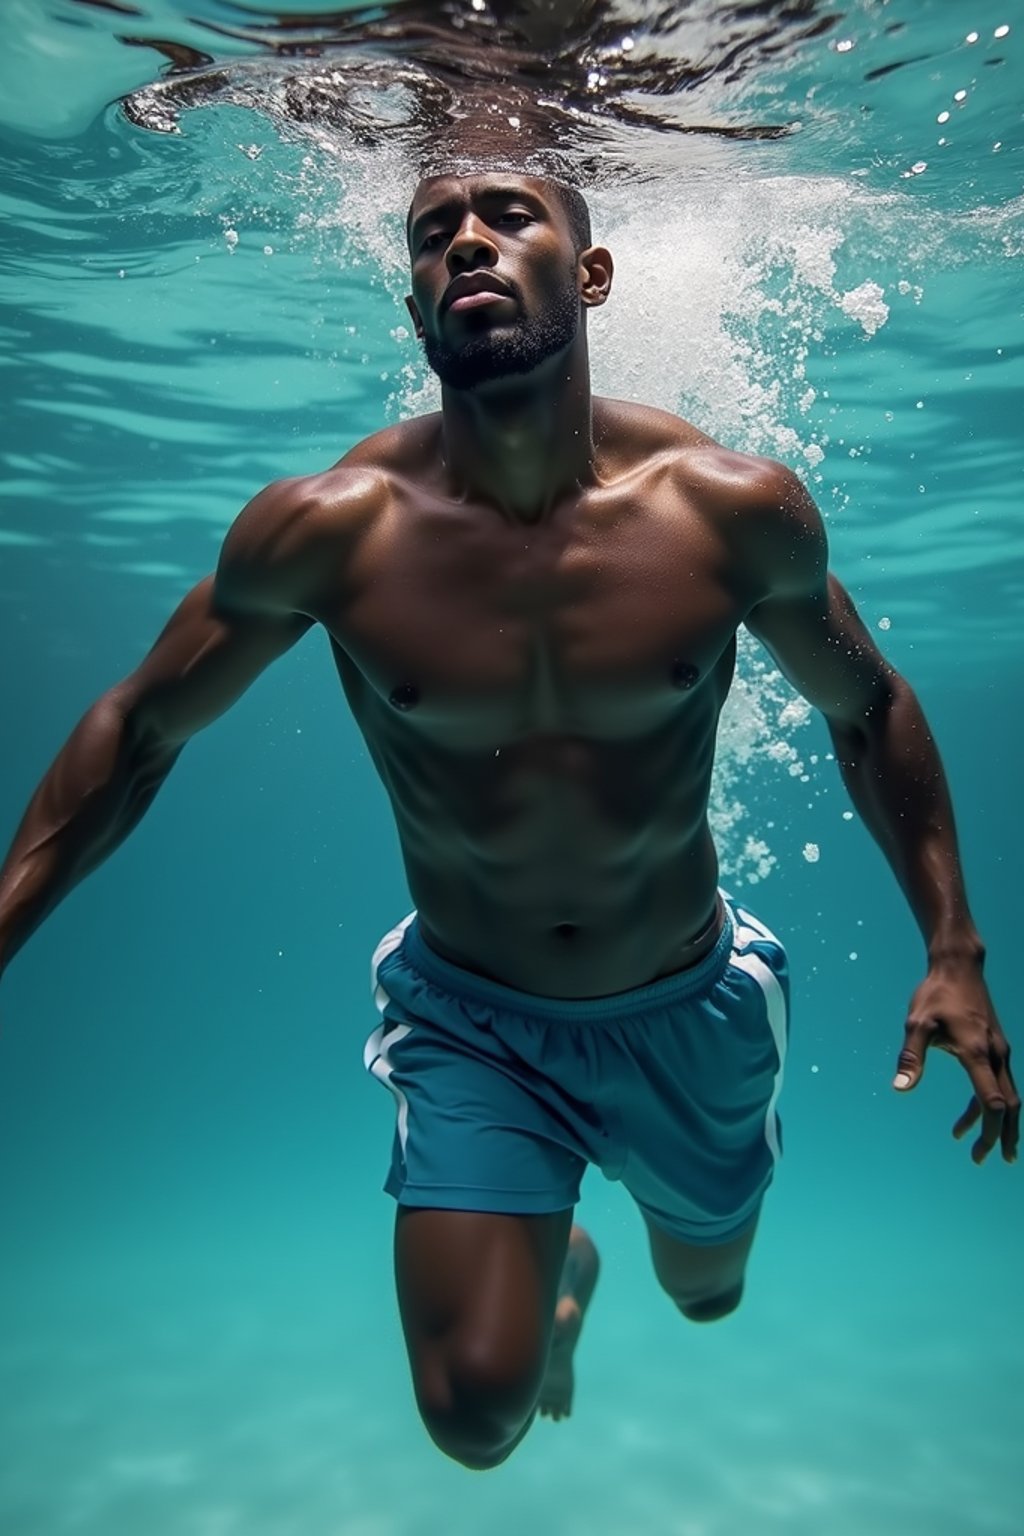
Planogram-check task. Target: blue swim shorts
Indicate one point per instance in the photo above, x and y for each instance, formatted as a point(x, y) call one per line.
point(504, 1097)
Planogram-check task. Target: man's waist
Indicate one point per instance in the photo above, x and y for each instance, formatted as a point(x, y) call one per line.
point(572, 959)
point(550, 993)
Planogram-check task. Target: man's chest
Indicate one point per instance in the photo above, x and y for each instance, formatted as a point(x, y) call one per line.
point(596, 624)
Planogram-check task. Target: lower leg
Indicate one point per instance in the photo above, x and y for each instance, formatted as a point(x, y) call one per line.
point(704, 1281)
point(576, 1287)
point(581, 1268)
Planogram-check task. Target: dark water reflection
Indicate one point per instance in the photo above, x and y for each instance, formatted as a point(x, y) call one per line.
point(505, 77)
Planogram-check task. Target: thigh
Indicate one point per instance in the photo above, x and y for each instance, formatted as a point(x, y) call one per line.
point(477, 1293)
point(704, 1280)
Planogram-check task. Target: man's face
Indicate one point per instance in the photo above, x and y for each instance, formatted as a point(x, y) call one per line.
point(495, 287)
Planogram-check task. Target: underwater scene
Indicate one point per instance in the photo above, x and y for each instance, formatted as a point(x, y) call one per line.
point(816, 212)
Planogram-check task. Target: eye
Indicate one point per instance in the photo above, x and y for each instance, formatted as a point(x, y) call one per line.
point(432, 241)
point(522, 218)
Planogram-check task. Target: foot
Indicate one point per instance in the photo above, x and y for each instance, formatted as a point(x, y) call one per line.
point(555, 1399)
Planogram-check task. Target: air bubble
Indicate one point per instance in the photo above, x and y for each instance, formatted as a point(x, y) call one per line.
point(811, 852)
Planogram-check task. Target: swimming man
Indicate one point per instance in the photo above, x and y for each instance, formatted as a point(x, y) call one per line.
point(532, 599)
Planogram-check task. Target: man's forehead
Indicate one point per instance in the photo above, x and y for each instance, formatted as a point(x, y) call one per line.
point(435, 191)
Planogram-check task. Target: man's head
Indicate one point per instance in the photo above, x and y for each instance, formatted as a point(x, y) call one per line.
point(502, 271)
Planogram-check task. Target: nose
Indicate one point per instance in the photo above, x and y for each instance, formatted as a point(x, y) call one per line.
point(470, 247)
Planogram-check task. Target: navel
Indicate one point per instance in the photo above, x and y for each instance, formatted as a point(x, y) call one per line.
point(684, 674)
point(405, 696)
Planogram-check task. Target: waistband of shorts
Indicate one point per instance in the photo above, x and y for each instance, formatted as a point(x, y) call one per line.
point(466, 985)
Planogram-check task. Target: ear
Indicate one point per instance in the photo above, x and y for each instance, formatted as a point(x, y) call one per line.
point(414, 314)
point(597, 269)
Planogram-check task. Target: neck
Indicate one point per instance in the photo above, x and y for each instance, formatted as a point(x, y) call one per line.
point(523, 442)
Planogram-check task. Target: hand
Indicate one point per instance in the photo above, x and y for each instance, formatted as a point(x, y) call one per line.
point(952, 1010)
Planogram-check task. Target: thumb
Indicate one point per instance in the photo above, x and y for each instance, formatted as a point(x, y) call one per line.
point(910, 1063)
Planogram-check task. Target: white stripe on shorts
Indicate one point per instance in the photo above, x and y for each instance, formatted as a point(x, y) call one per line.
point(387, 946)
point(376, 1057)
point(775, 1007)
point(378, 1062)
point(749, 929)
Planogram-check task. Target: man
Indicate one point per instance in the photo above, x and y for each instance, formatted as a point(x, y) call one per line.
point(533, 599)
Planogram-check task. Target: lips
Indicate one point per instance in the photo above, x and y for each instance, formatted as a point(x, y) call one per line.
point(474, 300)
point(472, 290)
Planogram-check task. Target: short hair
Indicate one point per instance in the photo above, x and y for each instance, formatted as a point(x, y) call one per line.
point(574, 206)
point(572, 203)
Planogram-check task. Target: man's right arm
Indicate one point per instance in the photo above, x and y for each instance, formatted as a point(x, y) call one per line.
point(222, 636)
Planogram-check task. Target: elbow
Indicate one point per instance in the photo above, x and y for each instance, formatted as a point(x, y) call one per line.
point(854, 731)
point(135, 719)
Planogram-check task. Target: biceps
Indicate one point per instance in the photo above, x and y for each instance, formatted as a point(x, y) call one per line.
point(202, 662)
point(821, 645)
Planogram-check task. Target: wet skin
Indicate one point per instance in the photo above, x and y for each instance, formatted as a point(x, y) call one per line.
point(541, 705)
point(532, 599)
point(540, 687)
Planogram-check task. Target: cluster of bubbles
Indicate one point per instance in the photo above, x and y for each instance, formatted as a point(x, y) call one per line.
point(760, 718)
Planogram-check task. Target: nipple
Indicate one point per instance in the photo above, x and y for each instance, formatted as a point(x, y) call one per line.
point(405, 696)
point(684, 674)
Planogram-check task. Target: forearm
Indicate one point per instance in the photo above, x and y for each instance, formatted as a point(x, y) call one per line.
point(100, 785)
point(892, 769)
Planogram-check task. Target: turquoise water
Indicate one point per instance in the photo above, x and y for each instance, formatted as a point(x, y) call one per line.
point(198, 1334)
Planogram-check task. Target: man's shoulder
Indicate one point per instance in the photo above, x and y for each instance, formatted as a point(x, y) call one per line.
point(404, 449)
point(746, 481)
point(760, 508)
point(280, 544)
point(765, 516)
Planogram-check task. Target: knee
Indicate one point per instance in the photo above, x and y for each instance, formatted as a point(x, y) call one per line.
point(477, 1406)
point(708, 1309)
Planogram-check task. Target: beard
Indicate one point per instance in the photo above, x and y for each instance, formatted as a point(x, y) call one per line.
point(497, 352)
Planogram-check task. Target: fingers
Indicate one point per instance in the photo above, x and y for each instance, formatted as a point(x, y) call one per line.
point(991, 1103)
point(1011, 1120)
point(969, 1117)
point(910, 1064)
point(995, 1101)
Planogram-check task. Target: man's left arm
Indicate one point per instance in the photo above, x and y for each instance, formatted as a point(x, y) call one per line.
point(891, 767)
